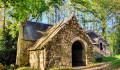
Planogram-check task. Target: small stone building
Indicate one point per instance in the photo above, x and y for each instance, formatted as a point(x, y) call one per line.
point(101, 46)
point(64, 44)
point(43, 46)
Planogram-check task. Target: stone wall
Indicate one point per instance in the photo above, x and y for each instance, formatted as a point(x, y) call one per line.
point(99, 53)
point(59, 48)
point(22, 58)
point(34, 59)
point(37, 59)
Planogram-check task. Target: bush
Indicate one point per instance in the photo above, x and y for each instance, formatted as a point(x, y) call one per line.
point(8, 44)
point(8, 56)
point(2, 67)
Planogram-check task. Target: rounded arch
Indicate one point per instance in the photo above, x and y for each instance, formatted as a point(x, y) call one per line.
point(77, 45)
point(77, 54)
point(84, 44)
point(84, 50)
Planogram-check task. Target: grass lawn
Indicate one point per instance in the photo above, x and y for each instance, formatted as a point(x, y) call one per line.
point(115, 61)
point(96, 63)
point(25, 68)
point(111, 58)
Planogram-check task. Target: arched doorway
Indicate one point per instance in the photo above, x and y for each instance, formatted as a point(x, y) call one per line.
point(77, 54)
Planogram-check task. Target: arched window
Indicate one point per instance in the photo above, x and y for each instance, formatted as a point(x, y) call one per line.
point(101, 48)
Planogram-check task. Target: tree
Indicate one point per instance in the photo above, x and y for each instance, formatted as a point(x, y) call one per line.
point(8, 44)
point(2, 16)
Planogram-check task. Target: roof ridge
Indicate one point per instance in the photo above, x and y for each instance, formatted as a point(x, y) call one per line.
point(58, 25)
point(39, 23)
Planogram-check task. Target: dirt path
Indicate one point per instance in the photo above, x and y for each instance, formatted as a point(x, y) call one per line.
point(103, 66)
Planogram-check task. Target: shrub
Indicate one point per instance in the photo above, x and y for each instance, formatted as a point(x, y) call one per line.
point(8, 56)
point(8, 44)
point(2, 67)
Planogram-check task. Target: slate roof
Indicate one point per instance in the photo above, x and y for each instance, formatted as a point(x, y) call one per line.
point(51, 33)
point(30, 31)
point(94, 36)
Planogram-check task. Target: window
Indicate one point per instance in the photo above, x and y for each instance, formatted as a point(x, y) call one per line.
point(101, 48)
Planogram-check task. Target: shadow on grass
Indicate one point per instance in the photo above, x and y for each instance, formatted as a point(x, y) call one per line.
point(107, 59)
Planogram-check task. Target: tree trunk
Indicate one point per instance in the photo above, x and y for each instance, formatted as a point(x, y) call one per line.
point(4, 21)
point(103, 26)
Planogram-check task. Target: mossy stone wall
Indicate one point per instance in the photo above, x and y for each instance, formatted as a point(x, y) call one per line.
point(22, 58)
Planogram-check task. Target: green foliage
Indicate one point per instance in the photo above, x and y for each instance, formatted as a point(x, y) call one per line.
point(116, 63)
point(117, 44)
point(85, 6)
point(7, 56)
point(29, 9)
point(9, 37)
point(7, 67)
point(101, 12)
point(8, 44)
point(2, 67)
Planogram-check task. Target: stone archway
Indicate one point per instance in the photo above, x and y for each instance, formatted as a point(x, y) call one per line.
point(77, 54)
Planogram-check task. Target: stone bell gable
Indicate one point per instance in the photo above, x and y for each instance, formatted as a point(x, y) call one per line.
point(65, 44)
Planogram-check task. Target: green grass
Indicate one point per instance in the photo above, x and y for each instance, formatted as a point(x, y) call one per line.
point(25, 68)
point(116, 63)
point(108, 59)
point(115, 60)
point(64, 68)
point(93, 64)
